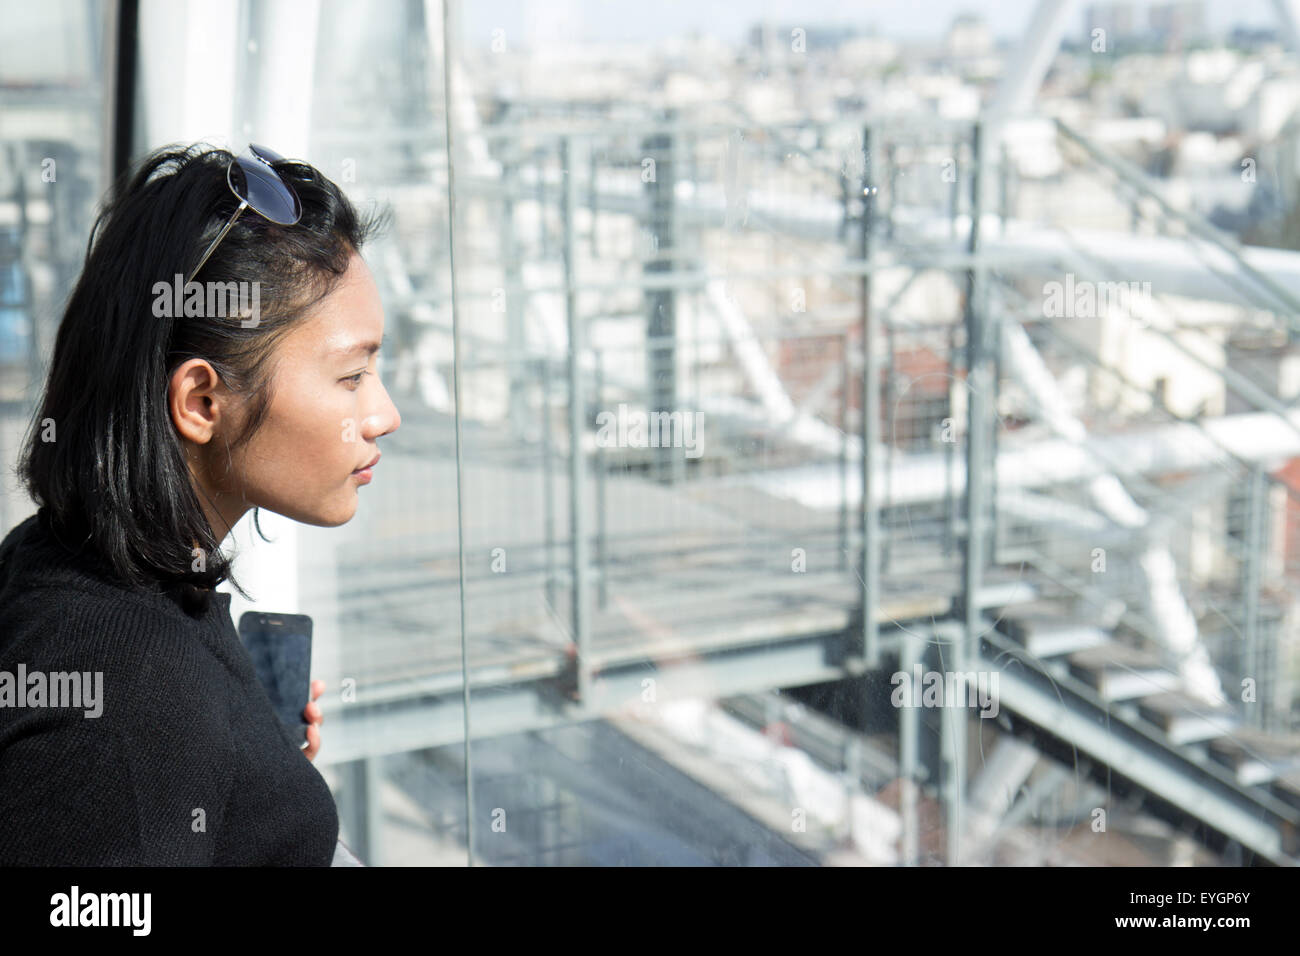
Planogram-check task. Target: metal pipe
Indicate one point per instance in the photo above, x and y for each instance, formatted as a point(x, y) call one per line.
point(1251, 576)
point(602, 562)
point(548, 482)
point(1195, 224)
point(908, 736)
point(979, 380)
point(870, 554)
point(846, 382)
point(578, 544)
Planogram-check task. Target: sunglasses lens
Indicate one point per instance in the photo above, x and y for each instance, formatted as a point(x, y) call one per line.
point(260, 186)
point(270, 155)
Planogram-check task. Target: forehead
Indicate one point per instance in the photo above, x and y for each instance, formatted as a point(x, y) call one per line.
point(350, 317)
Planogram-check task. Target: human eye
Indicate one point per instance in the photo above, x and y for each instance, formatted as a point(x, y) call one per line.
point(355, 380)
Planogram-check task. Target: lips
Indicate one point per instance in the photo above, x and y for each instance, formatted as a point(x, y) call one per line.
point(374, 461)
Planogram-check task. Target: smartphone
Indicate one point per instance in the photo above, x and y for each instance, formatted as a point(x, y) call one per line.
point(279, 646)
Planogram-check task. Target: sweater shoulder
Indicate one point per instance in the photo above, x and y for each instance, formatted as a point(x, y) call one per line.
point(57, 602)
point(63, 624)
point(137, 671)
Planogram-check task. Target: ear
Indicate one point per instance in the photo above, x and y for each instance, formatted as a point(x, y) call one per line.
point(196, 400)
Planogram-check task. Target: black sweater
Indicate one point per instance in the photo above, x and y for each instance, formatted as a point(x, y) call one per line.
point(186, 764)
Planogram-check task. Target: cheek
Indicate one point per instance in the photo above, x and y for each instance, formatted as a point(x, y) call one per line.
point(322, 437)
point(307, 440)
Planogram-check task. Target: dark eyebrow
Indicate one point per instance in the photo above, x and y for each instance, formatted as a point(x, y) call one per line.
point(369, 348)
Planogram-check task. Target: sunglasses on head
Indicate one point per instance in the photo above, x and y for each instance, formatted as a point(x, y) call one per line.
point(257, 186)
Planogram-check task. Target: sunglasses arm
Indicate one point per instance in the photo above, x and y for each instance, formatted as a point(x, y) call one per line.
point(215, 242)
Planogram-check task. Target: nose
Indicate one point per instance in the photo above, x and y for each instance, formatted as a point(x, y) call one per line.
point(384, 418)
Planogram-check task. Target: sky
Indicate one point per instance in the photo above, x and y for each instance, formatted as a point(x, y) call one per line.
point(51, 38)
point(622, 20)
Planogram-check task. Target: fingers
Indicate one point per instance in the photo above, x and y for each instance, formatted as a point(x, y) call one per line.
point(312, 711)
point(313, 742)
point(315, 717)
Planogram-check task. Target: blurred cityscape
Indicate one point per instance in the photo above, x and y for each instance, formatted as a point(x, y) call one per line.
point(877, 445)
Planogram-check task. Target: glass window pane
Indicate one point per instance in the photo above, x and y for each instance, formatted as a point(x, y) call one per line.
point(703, 260)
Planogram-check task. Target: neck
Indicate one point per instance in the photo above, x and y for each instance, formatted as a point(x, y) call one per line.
point(219, 507)
point(221, 522)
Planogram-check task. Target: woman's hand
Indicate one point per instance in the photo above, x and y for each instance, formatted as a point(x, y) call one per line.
point(314, 718)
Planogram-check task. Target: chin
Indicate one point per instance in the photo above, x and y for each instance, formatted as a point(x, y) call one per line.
point(337, 517)
point(325, 518)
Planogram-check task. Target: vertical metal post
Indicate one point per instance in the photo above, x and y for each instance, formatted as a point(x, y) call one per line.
point(543, 234)
point(949, 453)
point(870, 577)
point(661, 325)
point(121, 68)
point(362, 782)
point(979, 379)
point(1255, 544)
point(852, 776)
point(694, 159)
point(373, 768)
point(1004, 181)
point(548, 480)
point(954, 194)
point(846, 383)
point(893, 190)
point(695, 352)
point(890, 449)
point(516, 340)
point(908, 735)
point(27, 303)
point(593, 201)
point(993, 340)
point(602, 543)
point(578, 543)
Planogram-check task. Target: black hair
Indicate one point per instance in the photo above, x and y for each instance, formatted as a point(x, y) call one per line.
point(115, 474)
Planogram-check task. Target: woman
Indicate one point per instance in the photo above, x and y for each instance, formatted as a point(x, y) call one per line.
point(157, 431)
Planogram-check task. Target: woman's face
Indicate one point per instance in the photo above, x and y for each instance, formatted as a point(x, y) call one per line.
point(328, 408)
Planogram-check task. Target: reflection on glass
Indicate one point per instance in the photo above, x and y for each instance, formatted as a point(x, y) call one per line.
point(698, 276)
